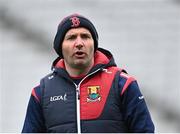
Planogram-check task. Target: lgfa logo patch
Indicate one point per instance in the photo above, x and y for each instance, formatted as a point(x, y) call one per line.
point(93, 94)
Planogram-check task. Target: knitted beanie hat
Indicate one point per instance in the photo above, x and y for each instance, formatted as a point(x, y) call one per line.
point(73, 21)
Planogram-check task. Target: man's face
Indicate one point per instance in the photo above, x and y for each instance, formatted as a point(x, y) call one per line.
point(78, 48)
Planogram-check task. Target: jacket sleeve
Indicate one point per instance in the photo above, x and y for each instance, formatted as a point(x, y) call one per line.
point(135, 110)
point(34, 120)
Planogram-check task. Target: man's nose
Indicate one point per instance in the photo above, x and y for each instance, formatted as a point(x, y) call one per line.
point(79, 42)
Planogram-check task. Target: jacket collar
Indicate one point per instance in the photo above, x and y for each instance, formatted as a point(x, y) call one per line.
point(103, 58)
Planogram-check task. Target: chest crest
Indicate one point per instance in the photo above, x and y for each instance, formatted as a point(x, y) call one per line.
point(93, 93)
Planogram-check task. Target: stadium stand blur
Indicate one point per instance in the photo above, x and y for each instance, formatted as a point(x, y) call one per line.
point(143, 35)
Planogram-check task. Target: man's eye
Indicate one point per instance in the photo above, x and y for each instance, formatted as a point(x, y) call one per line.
point(85, 36)
point(72, 37)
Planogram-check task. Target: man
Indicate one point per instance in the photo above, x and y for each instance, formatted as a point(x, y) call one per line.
point(86, 92)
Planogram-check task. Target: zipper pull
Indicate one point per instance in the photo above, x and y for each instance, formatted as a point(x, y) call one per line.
point(78, 92)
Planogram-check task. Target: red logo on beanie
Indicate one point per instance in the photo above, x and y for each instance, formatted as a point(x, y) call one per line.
point(75, 21)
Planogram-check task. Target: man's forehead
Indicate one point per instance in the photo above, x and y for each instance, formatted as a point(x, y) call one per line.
point(78, 30)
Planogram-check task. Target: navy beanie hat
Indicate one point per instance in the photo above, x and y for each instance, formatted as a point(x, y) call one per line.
point(73, 21)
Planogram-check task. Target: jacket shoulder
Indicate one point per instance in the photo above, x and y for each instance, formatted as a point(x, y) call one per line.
point(125, 80)
point(38, 90)
point(48, 76)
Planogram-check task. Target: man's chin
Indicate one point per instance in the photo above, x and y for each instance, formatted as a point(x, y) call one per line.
point(80, 64)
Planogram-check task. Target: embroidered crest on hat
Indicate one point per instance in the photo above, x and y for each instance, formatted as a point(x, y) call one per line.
point(75, 21)
point(93, 94)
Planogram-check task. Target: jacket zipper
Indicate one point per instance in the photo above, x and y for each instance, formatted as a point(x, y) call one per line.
point(78, 100)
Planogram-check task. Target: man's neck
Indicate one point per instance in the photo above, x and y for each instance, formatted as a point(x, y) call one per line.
point(73, 72)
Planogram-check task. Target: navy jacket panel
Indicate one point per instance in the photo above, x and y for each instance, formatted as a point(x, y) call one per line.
point(136, 112)
point(103, 126)
point(34, 120)
point(59, 104)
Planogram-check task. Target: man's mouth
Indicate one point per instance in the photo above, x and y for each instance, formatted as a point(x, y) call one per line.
point(79, 54)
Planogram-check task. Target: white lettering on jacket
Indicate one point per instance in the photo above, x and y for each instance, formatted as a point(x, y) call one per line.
point(59, 98)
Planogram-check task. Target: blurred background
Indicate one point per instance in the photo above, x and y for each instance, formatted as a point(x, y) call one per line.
point(143, 35)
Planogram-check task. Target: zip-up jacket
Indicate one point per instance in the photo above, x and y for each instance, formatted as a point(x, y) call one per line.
point(106, 100)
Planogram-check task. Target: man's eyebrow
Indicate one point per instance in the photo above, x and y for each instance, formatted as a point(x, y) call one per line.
point(87, 34)
point(69, 35)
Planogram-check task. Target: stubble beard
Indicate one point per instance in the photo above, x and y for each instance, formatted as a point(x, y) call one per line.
point(81, 63)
